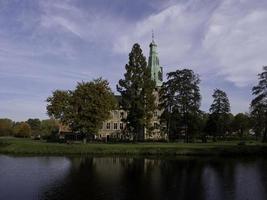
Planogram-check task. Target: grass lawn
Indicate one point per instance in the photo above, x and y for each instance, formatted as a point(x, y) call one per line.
point(34, 147)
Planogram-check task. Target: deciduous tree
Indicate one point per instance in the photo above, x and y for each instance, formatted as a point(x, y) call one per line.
point(92, 103)
point(180, 97)
point(85, 108)
point(22, 129)
point(6, 127)
point(35, 125)
point(48, 127)
point(59, 105)
point(241, 123)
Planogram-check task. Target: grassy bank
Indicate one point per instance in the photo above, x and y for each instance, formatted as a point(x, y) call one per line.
point(28, 146)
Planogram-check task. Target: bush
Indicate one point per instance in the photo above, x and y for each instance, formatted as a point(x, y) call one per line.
point(242, 143)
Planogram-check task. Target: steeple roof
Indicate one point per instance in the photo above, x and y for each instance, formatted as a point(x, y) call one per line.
point(153, 63)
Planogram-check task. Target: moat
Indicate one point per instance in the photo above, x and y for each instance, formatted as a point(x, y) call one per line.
point(132, 178)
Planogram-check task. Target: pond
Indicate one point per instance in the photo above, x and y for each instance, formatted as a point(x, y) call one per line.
point(118, 178)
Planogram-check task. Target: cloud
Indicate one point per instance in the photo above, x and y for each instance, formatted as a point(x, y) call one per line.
point(23, 109)
point(89, 25)
point(223, 38)
point(238, 43)
point(46, 45)
point(61, 16)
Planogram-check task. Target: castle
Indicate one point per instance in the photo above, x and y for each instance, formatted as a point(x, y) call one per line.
point(113, 128)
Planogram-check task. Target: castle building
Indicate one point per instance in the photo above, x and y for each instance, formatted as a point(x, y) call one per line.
point(114, 127)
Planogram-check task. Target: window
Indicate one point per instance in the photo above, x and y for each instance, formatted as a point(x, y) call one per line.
point(160, 75)
point(121, 115)
point(121, 126)
point(115, 126)
point(108, 125)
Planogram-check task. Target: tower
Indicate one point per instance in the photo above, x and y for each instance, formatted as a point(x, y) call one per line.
point(156, 75)
point(153, 64)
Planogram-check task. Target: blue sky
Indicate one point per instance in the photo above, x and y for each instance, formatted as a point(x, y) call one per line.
point(47, 45)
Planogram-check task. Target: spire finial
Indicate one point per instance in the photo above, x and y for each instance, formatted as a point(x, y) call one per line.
point(152, 35)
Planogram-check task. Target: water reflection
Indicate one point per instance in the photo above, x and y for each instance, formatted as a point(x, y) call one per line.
point(25, 177)
point(143, 178)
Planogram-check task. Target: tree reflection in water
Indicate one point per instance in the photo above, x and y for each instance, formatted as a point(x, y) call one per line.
point(158, 178)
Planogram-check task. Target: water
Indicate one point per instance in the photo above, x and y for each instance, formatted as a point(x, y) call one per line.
point(132, 178)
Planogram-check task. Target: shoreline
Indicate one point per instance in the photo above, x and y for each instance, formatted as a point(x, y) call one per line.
point(14, 146)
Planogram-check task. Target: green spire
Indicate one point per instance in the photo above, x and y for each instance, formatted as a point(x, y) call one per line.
point(153, 63)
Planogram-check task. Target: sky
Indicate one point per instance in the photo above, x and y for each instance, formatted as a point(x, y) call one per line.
point(53, 44)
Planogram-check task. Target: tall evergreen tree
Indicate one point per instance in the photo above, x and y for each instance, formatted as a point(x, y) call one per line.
point(180, 97)
point(220, 103)
point(137, 94)
point(259, 104)
point(219, 113)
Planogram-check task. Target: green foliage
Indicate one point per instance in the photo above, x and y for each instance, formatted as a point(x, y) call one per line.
point(259, 105)
point(35, 125)
point(220, 103)
point(180, 99)
point(92, 103)
point(241, 123)
point(137, 93)
point(22, 129)
point(6, 127)
point(85, 108)
point(219, 118)
point(59, 105)
point(48, 127)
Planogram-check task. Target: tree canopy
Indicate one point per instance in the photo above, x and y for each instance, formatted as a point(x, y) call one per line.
point(59, 105)
point(220, 104)
point(218, 121)
point(241, 123)
point(180, 100)
point(259, 105)
point(35, 125)
point(85, 108)
point(49, 127)
point(6, 127)
point(136, 90)
point(22, 129)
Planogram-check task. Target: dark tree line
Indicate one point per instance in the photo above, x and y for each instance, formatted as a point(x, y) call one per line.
point(31, 127)
point(180, 101)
